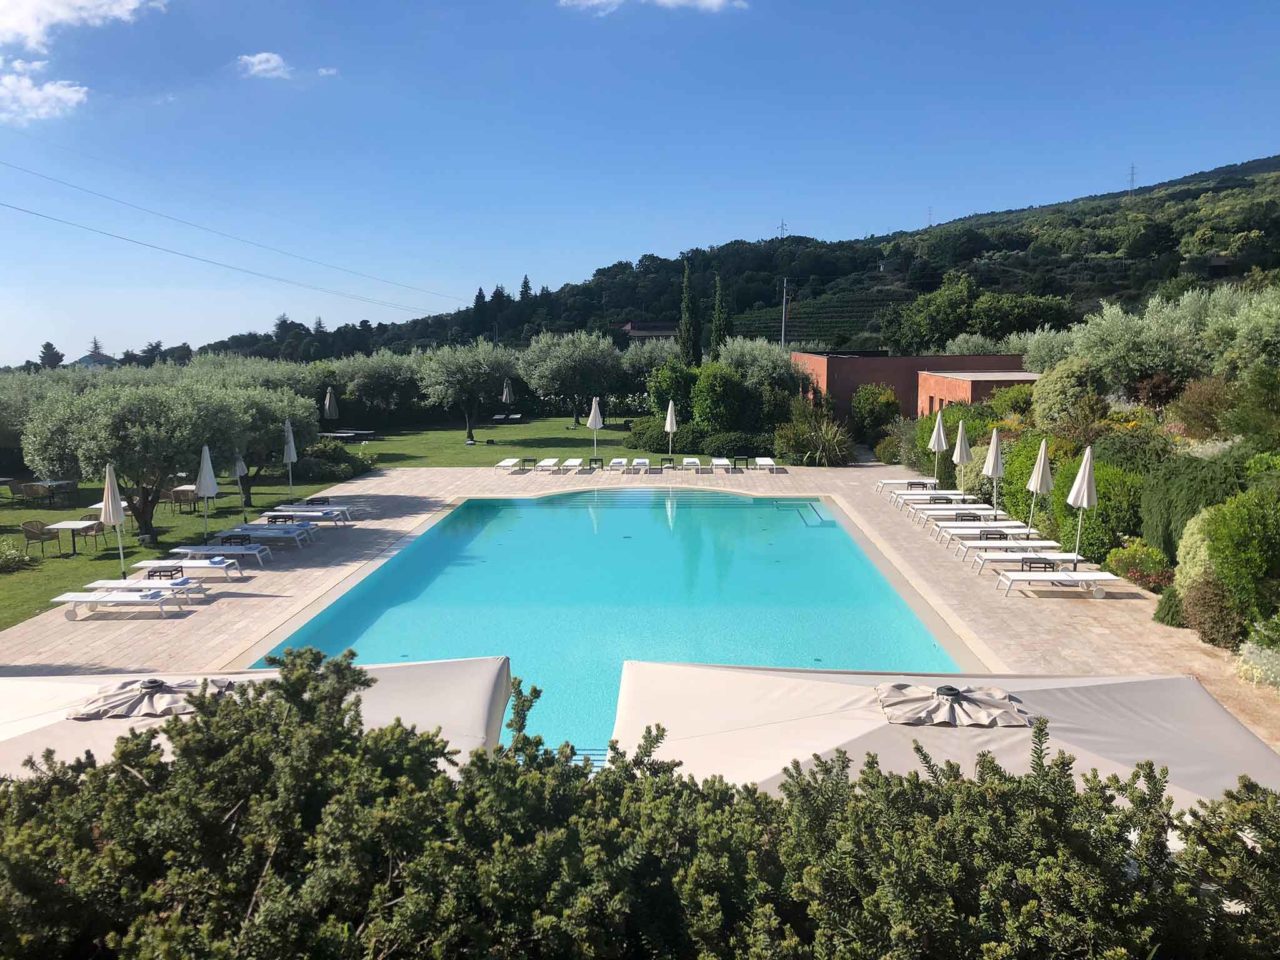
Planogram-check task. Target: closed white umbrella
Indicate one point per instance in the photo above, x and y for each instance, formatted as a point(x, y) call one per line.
point(206, 485)
point(1041, 479)
point(670, 425)
point(112, 512)
point(240, 470)
point(937, 442)
point(508, 397)
point(290, 453)
point(594, 422)
point(962, 454)
point(330, 405)
point(994, 467)
point(1084, 493)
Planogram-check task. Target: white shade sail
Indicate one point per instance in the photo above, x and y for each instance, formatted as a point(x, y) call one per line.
point(748, 723)
point(962, 454)
point(994, 465)
point(330, 405)
point(1084, 493)
point(1041, 480)
point(290, 450)
point(595, 421)
point(206, 480)
point(938, 441)
point(670, 425)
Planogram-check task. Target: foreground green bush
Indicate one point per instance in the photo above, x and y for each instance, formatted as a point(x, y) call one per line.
point(1116, 517)
point(277, 827)
point(1140, 563)
point(1244, 551)
point(873, 408)
point(812, 438)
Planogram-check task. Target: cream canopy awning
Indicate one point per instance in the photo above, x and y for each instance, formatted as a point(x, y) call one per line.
point(747, 724)
point(464, 699)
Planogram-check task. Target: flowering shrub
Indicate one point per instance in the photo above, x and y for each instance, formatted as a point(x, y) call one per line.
point(1140, 563)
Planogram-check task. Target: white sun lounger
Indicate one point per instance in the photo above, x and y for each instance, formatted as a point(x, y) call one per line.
point(901, 500)
point(311, 513)
point(991, 546)
point(983, 557)
point(942, 511)
point(766, 463)
point(722, 462)
point(947, 530)
point(192, 567)
point(511, 463)
point(573, 463)
point(640, 464)
point(691, 463)
point(904, 484)
point(906, 493)
point(296, 532)
point(1084, 579)
point(548, 464)
point(156, 599)
point(259, 551)
point(617, 463)
point(184, 587)
point(347, 510)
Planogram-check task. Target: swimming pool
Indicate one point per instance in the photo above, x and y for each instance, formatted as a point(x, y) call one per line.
point(569, 586)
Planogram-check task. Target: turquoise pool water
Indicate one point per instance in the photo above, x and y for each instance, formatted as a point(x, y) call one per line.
point(570, 586)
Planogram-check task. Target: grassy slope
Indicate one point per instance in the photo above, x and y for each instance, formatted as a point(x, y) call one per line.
point(26, 593)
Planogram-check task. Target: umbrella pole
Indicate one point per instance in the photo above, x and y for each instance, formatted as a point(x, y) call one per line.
point(935, 465)
point(206, 519)
point(120, 547)
point(291, 482)
point(595, 434)
point(1075, 565)
point(240, 488)
point(671, 439)
point(1032, 515)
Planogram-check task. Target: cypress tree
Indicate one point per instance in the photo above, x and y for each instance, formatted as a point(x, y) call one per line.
point(689, 333)
point(719, 320)
point(51, 356)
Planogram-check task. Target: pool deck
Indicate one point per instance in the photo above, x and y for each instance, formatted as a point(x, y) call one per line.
point(1058, 632)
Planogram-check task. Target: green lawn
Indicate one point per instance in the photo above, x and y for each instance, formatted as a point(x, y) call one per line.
point(552, 437)
point(27, 592)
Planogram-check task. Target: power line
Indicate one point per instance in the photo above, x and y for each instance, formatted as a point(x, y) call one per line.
point(220, 233)
point(216, 263)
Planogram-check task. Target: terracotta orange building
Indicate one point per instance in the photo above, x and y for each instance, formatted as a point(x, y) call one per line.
point(936, 389)
point(838, 375)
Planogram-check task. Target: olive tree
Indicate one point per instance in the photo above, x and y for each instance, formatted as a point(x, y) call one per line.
point(576, 365)
point(261, 440)
point(464, 377)
point(150, 433)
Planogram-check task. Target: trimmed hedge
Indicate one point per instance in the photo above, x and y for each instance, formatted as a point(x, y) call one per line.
point(1178, 489)
point(738, 443)
point(1244, 550)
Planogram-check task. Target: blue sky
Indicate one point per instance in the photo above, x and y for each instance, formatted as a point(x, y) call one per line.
point(448, 145)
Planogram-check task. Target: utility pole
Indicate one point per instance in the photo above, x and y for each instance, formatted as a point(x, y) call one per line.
point(931, 216)
point(1132, 174)
point(782, 229)
point(784, 311)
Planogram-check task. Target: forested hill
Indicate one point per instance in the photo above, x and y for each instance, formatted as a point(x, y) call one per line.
point(1201, 228)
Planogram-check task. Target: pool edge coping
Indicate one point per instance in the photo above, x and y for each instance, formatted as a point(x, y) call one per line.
point(969, 652)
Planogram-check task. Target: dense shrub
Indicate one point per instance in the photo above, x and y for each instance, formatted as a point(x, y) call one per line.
point(903, 432)
point(1060, 392)
point(1193, 551)
point(762, 365)
point(1012, 400)
point(1169, 608)
point(1209, 609)
point(1180, 488)
point(971, 479)
point(1244, 551)
point(978, 420)
point(1200, 407)
point(349, 461)
point(1139, 447)
point(813, 439)
point(355, 843)
point(737, 443)
point(1019, 461)
point(1142, 564)
point(672, 381)
point(12, 559)
point(1116, 517)
point(874, 407)
point(1255, 410)
point(1260, 464)
point(647, 433)
point(723, 402)
point(886, 450)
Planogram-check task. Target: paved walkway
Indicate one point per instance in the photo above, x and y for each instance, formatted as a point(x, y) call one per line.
point(1052, 633)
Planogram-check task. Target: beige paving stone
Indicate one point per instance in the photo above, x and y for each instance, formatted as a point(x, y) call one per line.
point(1053, 632)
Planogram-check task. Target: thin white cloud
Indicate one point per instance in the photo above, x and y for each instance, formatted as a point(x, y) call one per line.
point(23, 100)
point(29, 22)
point(327, 72)
point(267, 66)
point(604, 7)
